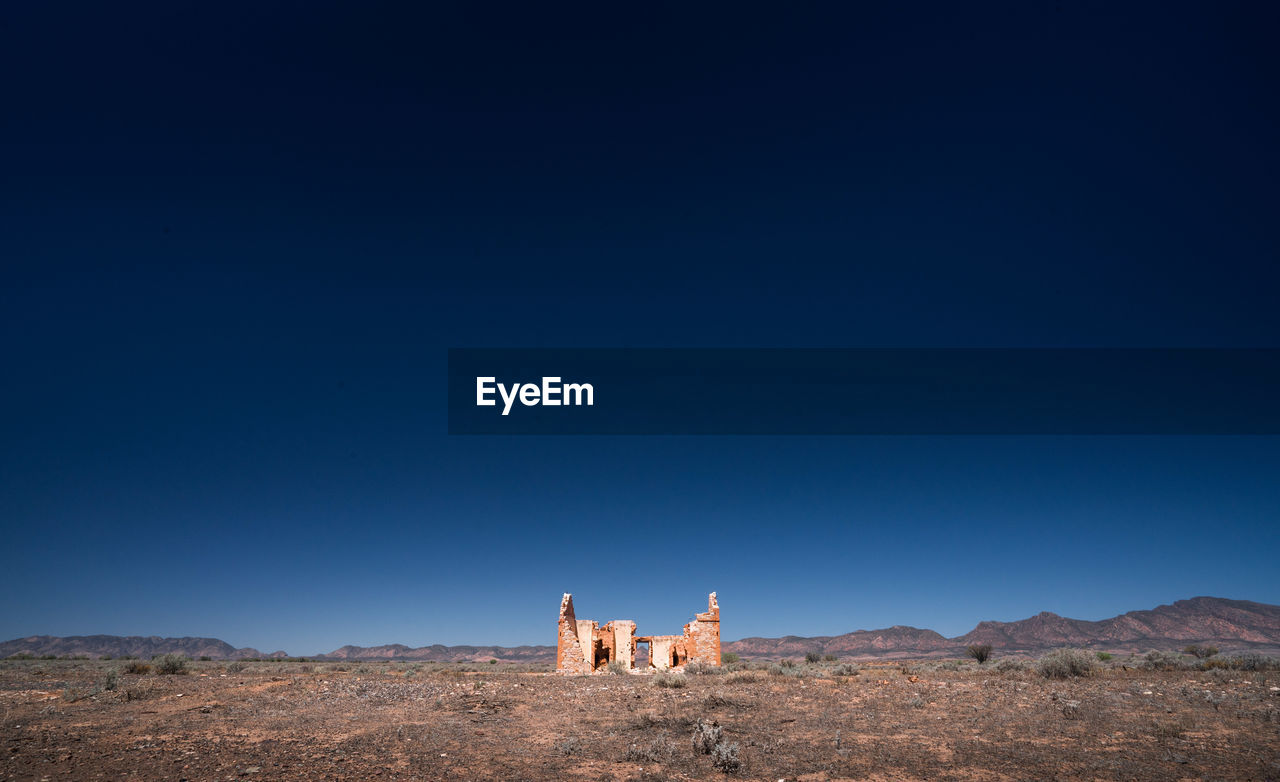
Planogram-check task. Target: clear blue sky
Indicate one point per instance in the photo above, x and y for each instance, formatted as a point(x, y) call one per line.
point(237, 242)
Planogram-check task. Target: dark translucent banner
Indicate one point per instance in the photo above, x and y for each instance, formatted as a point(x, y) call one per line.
point(863, 391)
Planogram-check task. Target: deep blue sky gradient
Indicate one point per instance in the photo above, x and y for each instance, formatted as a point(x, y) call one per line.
point(238, 240)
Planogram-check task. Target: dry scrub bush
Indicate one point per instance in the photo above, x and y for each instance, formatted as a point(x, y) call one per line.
point(979, 652)
point(725, 757)
point(669, 681)
point(1067, 663)
point(1172, 729)
point(1164, 661)
point(570, 746)
point(171, 664)
point(706, 735)
point(72, 694)
point(1253, 662)
point(790, 669)
point(660, 750)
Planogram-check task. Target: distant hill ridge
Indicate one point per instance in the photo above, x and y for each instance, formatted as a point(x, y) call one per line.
point(1232, 625)
point(143, 647)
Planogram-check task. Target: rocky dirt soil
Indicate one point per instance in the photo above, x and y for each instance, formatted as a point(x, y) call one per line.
point(384, 721)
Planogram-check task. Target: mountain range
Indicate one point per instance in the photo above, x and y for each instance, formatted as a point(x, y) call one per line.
point(142, 647)
point(1231, 625)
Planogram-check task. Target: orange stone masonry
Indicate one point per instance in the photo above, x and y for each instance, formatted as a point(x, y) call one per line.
point(582, 646)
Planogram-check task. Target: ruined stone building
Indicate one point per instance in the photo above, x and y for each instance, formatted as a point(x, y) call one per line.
point(583, 646)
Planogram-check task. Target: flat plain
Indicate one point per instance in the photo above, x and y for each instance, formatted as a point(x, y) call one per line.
point(64, 719)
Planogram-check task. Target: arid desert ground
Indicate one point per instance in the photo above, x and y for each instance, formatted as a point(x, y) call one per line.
point(64, 719)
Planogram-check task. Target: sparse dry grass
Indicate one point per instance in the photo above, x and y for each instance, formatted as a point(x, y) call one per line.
point(910, 721)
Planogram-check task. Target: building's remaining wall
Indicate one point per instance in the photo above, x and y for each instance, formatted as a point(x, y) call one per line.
point(702, 635)
point(587, 640)
point(569, 656)
point(584, 647)
point(662, 651)
point(623, 634)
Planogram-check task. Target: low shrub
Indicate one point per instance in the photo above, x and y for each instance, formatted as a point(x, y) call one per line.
point(1254, 662)
point(670, 681)
point(1103, 656)
point(570, 746)
point(170, 664)
point(729, 657)
point(1164, 661)
point(71, 694)
point(725, 757)
point(616, 667)
point(1067, 663)
point(236, 666)
point(979, 652)
point(138, 669)
point(659, 750)
point(812, 657)
point(845, 669)
point(1172, 729)
point(706, 735)
point(1201, 652)
point(717, 700)
point(702, 669)
point(798, 671)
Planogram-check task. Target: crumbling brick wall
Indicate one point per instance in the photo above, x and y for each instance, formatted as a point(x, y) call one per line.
point(569, 653)
point(702, 635)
